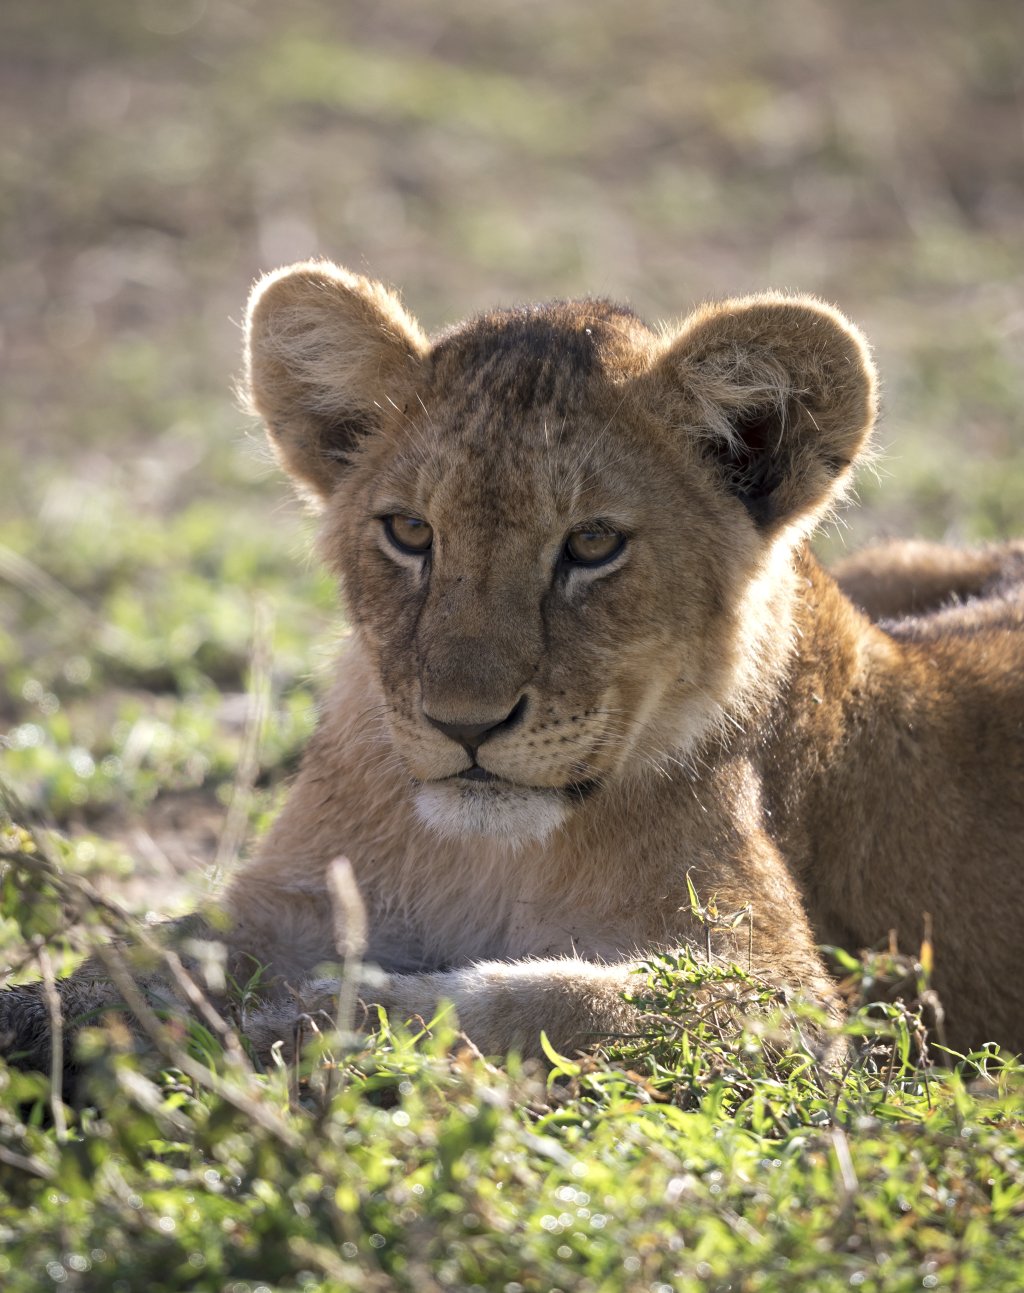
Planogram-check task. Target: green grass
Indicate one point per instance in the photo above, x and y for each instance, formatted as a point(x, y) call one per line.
point(689, 1156)
point(163, 630)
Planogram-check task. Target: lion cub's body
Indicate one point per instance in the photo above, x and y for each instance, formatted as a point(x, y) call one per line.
point(593, 660)
point(900, 791)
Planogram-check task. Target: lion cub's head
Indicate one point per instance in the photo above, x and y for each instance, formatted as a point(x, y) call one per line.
point(564, 538)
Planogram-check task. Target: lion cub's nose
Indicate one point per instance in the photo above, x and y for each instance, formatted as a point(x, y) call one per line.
point(472, 735)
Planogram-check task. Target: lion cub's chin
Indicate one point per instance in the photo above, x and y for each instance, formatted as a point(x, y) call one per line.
point(516, 814)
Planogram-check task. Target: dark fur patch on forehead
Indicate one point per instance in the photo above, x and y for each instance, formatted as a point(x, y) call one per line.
point(532, 355)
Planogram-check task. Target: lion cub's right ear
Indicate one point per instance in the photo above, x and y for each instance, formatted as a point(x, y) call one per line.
point(328, 355)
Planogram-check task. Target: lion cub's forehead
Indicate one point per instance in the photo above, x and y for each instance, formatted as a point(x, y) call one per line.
point(514, 397)
point(543, 358)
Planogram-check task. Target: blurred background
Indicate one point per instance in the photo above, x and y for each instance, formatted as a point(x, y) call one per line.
point(160, 620)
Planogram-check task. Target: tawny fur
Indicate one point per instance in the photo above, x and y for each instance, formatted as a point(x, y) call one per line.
point(914, 578)
point(708, 704)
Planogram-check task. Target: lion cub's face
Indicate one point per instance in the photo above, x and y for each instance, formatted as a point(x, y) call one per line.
point(516, 556)
point(559, 533)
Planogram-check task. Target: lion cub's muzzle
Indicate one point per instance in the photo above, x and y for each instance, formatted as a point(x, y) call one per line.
point(472, 736)
point(522, 772)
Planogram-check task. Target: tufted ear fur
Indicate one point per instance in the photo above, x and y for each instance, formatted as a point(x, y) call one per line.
point(780, 392)
point(328, 353)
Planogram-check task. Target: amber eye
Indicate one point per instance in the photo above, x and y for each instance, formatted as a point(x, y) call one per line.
point(593, 547)
point(409, 533)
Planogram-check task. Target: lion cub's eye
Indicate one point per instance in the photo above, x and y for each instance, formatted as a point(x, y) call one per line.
point(593, 547)
point(409, 533)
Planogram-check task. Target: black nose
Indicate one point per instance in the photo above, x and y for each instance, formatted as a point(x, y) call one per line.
point(472, 735)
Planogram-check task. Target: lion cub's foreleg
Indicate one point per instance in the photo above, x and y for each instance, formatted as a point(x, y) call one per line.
point(502, 1006)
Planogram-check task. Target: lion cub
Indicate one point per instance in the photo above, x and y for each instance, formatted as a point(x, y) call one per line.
point(592, 656)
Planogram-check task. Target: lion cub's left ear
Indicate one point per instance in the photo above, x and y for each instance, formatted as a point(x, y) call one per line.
point(780, 393)
point(330, 357)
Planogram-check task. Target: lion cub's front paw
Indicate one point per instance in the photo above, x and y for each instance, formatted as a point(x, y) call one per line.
point(281, 1025)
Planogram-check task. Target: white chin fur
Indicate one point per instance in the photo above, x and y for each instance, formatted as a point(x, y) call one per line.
point(516, 814)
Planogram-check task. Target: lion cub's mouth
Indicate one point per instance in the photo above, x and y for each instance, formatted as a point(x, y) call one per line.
point(578, 790)
point(476, 773)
